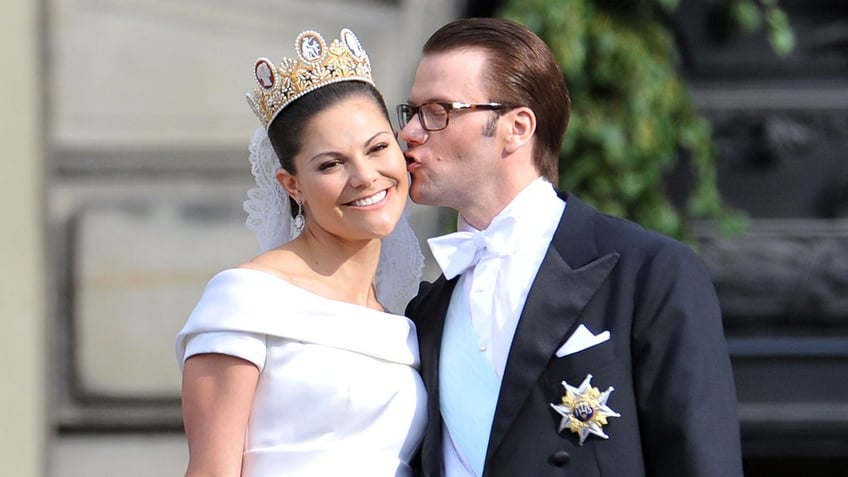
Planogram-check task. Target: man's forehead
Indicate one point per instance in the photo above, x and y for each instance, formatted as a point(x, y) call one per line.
point(448, 76)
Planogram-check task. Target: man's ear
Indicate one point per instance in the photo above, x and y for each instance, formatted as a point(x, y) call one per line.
point(289, 183)
point(521, 124)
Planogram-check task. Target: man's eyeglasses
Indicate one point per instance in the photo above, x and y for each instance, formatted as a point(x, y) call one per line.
point(435, 116)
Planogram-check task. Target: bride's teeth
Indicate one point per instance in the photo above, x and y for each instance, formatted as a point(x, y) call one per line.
point(370, 200)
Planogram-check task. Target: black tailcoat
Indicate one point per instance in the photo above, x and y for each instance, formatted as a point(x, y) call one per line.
point(667, 360)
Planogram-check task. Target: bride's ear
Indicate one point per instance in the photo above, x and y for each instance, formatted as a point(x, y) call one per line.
point(289, 183)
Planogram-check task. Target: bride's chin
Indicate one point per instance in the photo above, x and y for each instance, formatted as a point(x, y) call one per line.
point(386, 228)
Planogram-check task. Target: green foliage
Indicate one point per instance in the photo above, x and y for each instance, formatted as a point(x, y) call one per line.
point(632, 119)
point(750, 15)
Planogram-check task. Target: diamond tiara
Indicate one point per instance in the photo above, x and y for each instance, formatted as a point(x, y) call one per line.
point(316, 66)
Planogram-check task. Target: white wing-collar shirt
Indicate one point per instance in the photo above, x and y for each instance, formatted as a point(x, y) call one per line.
point(498, 266)
point(497, 286)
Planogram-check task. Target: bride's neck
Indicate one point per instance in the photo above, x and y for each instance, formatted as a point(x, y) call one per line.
point(349, 268)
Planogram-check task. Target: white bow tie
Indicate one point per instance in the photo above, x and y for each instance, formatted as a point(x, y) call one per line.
point(460, 251)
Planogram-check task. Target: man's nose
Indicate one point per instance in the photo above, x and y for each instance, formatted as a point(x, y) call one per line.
point(413, 133)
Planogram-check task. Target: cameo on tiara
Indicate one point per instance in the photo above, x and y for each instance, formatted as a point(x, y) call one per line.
point(310, 46)
point(352, 43)
point(264, 72)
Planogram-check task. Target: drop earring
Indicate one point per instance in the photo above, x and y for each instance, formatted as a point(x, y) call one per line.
point(298, 222)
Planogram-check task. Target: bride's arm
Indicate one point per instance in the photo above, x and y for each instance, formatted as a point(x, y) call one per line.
point(217, 393)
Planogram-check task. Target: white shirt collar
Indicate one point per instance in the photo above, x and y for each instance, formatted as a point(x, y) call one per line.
point(529, 209)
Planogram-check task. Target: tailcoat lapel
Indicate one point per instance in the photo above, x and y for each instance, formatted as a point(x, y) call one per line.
point(431, 329)
point(430, 324)
point(555, 301)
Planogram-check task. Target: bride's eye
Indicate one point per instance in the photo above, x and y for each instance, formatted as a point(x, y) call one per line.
point(327, 165)
point(378, 147)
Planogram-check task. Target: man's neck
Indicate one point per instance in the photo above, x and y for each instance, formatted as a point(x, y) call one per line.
point(486, 207)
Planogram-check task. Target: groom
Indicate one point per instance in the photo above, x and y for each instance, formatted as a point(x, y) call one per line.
point(559, 341)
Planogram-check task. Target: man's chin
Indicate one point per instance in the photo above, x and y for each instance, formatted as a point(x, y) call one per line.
point(418, 197)
point(423, 195)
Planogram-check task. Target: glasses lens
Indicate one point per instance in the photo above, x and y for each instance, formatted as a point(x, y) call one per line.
point(435, 116)
point(404, 114)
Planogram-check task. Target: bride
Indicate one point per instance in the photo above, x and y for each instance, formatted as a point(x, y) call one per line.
point(299, 362)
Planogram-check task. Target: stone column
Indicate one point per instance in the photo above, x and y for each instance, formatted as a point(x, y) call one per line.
point(22, 273)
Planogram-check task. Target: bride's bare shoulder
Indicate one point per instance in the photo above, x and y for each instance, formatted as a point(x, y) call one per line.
point(280, 262)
